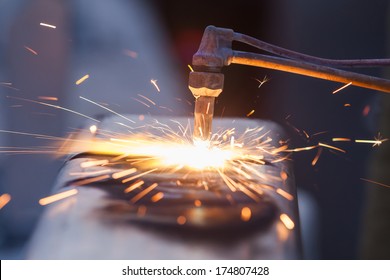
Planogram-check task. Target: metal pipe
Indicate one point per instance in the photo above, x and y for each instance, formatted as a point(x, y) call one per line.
point(215, 52)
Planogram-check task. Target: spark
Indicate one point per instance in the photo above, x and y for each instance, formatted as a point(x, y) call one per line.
point(143, 103)
point(48, 98)
point(31, 50)
point(366, 110)
point(143, 193)
point(341, 139)
point(197, 203)
point(250, 113)
point(56, 197)
point(317, 157)
point(191, 69)
point(82, 79)
point(331, 147)
point(54, 106)
point(157, 197)
point(5, 198)
point(134, 186)
point(105, 108)
point(91, 163)
point(286, 220)
point(376, 183)
point(93, 129)
point(47, 25)
point(148, 99)
point(124, 173)
point(181, 220)
point(130, 53)
point(154, 82)
point(347, 105)
point(261, 82)
point(246, 214)
point(138, 175)
point(376, 142)
point(285, 194)
point(341, 88)
point(91, 180)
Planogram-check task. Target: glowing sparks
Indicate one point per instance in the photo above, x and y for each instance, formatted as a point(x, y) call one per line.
point(31, 50)
point(331, 147)
point(197, 203)
point(53, 106)
point(47, 25)
point(190, 67)
point(143, 193)
point(376, 183)
point(246, 214)
point(130, 53)
point(341, 139)
point(4, 200)
point(250, 113)
point(91, 163)
point(263, 81)
point(317, 157)
point(181, 220)
point(341, 88)
point(124, 173)
point(285, 194)
point(347, 105)
point(134, 186)
point(366, 110)
point(93, 129)
point(105, 108)
point(57, 197)
point(376, 142)
point(48, 98)
point(154, 82)
point(157, 197)
point(286, 220)
point(82, 79)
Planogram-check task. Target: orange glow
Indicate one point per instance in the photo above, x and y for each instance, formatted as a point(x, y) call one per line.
point(341, 139)
point(91, 180)
point(4, 199)
point(124, 173)
point(49, 98)
point(57, 197)
point(157, 197)
point(366, 110)
point(317, 157)
point(190, 67)
point(134, 186)
point(181, 220)
point(285, 194)
point(246, 214)
point(82, 79)
point(143, 193)
point(331, 147)
point(286, 220)
point(250, 113)
point(198, 203)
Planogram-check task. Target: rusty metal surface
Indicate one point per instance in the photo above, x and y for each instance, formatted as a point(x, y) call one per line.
point(101, 222)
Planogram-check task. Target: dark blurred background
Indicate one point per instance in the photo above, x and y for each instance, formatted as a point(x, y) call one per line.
point(331, 29)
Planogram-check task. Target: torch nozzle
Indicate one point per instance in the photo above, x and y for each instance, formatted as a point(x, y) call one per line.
point(203, 117)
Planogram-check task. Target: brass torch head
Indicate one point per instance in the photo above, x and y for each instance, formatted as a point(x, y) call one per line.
point(205, 86)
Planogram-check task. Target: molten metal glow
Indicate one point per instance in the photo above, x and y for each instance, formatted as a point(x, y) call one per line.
point(4, 199)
